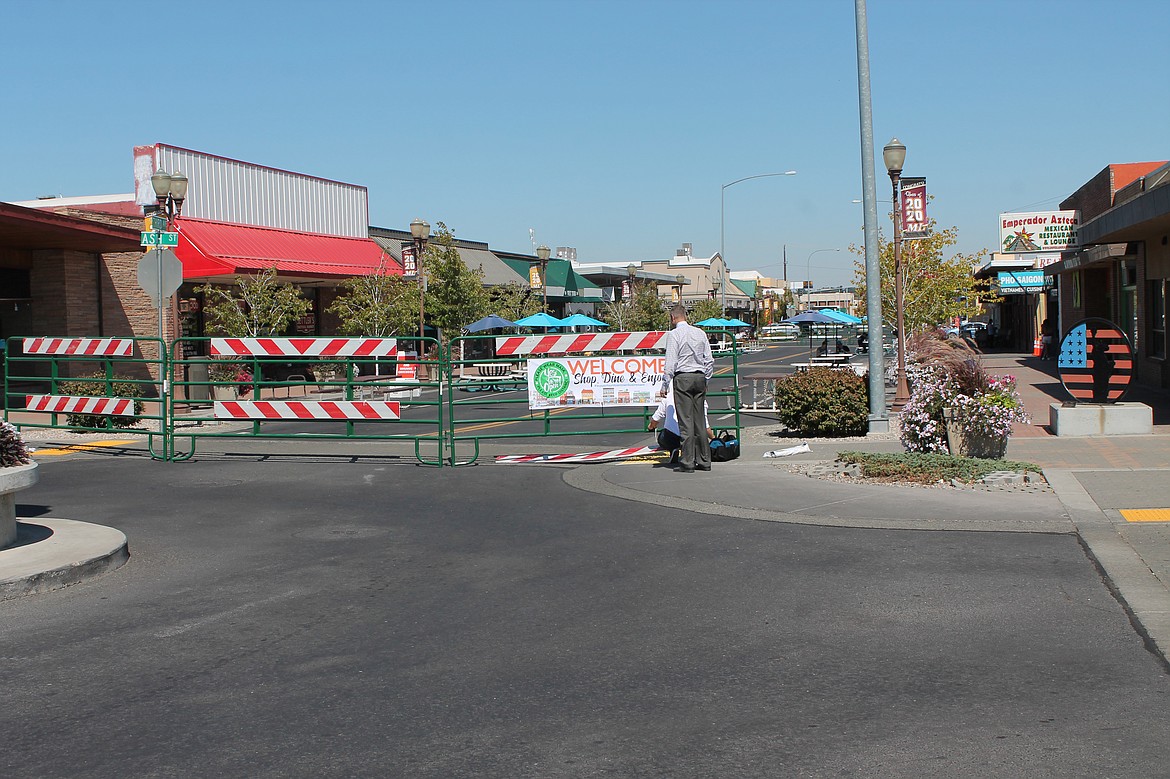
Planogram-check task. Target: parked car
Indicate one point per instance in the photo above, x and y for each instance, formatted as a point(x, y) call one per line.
point(782, 331)
point(974, 331)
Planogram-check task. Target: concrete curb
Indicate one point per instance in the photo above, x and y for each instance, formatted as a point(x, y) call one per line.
point(56, 553)
point(591, 478)
point(1145, 598)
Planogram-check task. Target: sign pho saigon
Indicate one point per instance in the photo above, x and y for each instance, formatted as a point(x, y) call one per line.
point(1039, 231)
point(594, 381)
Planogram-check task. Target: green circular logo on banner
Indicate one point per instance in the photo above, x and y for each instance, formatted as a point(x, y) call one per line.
point(550, 379)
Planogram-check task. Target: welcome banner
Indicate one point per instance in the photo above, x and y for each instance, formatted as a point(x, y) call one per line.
point(595, 381)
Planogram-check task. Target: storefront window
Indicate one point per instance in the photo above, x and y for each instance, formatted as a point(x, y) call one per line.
point(1156, 304)
point(1127, 302)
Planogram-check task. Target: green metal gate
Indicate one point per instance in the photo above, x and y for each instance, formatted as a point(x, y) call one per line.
point(98, 385)
point(499, 365)
point(356, 388)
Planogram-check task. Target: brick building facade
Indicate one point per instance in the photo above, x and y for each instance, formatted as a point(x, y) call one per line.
point(1122, 270)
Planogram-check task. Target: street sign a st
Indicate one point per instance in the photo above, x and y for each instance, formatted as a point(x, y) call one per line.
point(160, 239)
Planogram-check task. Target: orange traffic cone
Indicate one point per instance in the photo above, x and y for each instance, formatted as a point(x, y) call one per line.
point(1036, 348)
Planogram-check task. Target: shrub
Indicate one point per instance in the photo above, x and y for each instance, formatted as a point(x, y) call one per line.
point(824, 402)
point(95, 386)
point(929, 468)
point(13, 452)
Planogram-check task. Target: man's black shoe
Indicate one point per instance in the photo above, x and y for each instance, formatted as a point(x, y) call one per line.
point(681, 469)
point(701, 468)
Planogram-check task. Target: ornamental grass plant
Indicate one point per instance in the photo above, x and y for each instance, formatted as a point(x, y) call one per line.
point(945, 376)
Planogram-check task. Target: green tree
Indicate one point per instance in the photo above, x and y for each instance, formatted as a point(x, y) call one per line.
point(936, 287)
point(642, 311)
point(705, 309)
point(378, 305)
point(513, 301)
point(455, 296)
point(647, 311)
point(787, 306)
point(256, 306)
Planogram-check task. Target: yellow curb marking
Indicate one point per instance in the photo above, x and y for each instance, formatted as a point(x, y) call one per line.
point(1146, 515)
point(647, 458)
point(74, 448)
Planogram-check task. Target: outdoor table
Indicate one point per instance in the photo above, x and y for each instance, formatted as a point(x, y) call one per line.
point(487, 374)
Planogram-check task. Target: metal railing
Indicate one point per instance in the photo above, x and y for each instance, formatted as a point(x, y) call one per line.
point(488, 364)
point(352, 388)
point(98, 385)
point(475, 389)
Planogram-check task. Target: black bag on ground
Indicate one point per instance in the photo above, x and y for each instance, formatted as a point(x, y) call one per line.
point(724, 447)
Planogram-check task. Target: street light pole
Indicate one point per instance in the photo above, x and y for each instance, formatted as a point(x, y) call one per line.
point(170, 189)
point(680, 280)
point(542, 253)
point(722, 192)
point(808, 276)
point(420, 233)
point(894, 155)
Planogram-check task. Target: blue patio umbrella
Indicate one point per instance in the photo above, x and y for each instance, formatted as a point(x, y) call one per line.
point(840, 316)
point(539, 320)
point(489, 322)
point(812, 318)
point(581, 319)
point(737, 322)
point(713, 322)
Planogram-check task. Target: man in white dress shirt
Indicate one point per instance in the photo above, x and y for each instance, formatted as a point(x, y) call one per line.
point(689, 364)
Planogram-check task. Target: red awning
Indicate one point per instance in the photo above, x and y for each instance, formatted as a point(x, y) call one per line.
point(210, 249)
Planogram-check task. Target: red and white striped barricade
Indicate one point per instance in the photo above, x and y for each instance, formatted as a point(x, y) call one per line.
point(80, 347)
point(79, 404)
point(407, 373)
point(517, 345)
point(579, 457)
point(311, 410)
point(305, 347)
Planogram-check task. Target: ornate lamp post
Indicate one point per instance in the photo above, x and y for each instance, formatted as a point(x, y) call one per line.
point(542, 253)
point(679, 282)
point(171, 191)
point(420, 233)
point(894, 154)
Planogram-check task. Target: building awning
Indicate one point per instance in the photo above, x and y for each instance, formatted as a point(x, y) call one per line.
point(35, 228)
point(220, 250)
point(495, 272)
point(563, 282)
point(1012, 262)
point(1092, 255)
point(746, 286)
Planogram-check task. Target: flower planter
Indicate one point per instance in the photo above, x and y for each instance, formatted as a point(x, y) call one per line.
point(12, 480)
point(963, 443)
point(224, 393)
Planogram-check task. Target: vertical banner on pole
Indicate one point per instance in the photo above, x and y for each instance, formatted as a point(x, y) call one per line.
point(409, 264)
point(913, 197)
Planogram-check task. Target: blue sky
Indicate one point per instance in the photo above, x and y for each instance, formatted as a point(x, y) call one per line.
point(607, 126)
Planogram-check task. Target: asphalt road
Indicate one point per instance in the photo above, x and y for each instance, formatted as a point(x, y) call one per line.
point(294, 616)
